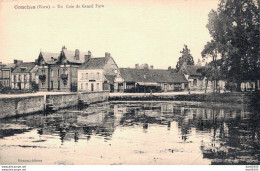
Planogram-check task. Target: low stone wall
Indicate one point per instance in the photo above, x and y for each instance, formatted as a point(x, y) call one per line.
point(21, 105)
point(62, 100)
point(93, 97)
point(14, 106)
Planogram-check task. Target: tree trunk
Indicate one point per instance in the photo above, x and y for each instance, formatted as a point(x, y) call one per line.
point(256, 85)
point(238, 88)
point(206, 85)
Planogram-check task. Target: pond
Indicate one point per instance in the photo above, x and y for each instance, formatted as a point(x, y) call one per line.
point(173, 133)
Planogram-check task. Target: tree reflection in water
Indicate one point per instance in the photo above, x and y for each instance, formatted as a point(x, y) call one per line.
point(233, 133)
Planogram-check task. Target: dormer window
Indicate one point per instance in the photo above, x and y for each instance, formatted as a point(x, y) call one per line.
point(23, 69)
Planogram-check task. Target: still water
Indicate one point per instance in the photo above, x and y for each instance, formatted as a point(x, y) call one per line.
point(134, 133)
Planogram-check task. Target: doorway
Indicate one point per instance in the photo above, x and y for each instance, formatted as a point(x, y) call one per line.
point(51, 85)
point(19, 86)
point(58, 85)
point(92, 87)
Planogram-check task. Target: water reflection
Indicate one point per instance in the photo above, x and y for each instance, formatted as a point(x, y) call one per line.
point(212, 135)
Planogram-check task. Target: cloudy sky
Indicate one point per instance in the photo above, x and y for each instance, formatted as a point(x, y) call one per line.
point(133, 31)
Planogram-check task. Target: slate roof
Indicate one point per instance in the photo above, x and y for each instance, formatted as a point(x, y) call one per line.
point(9, 66)
point(70, 55)
point(48, 57)
point(151, 75)
point(95, 63)
point(2, 65)
point(28, 67)
point(192, 70)
point(110, 78)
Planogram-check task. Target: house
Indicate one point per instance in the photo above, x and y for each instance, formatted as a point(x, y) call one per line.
point(97, 74)
point(5, 72)
point(146, 80)
point(196, 81)
point(250, 85)
point(24, 76)
point(58, 71)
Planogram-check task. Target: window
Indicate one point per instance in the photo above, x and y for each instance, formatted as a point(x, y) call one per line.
point(81, 86)
point(22, 78)
point(86, 88)
point(98, 75)
point(65, 71)
point(43, 71)
point(97, 86)
point(82, 75)
point(5, 74)
point(92, 76)
point(52, 73)
point(86, 76)
point(195, 82)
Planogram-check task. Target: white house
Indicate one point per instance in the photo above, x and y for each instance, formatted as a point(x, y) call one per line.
point(97, 74)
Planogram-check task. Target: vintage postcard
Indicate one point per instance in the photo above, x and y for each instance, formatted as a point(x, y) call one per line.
point(120, 82)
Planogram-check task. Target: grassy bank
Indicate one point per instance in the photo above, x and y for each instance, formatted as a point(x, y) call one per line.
point(237, 98)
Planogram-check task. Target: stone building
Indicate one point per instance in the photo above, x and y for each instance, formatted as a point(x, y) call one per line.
point(58, 71)
point(97, 74)
point(196, 82)
point(5, 72)
point(149, 79)
point(24, 76)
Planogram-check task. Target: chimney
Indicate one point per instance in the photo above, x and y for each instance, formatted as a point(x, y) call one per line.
point(107, 54)
point(87, 57)
point(199, 62)
point(151, 66)
point(17, 62)
point(136, 66)
point(169, 68)
point(63, 47)
point(77, 54)
point(146, 66)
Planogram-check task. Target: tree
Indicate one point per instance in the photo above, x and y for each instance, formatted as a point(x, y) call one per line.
point(185, 57)
point(234, 29)
point(206, 72)
point(34, 86)
point(210, 50)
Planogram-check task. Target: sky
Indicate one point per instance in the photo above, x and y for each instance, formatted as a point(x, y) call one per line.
point(132, 31)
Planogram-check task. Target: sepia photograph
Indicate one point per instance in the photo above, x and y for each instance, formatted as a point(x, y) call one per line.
point(120, 82)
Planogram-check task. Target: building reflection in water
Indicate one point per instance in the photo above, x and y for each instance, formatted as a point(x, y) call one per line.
point(234, 132)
